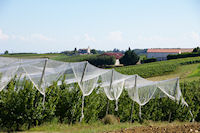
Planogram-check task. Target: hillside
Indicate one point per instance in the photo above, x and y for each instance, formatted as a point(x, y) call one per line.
point(185, 68)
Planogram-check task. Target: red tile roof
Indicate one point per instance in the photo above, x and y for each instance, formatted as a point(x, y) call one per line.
point(169, 50)
point(116, 55)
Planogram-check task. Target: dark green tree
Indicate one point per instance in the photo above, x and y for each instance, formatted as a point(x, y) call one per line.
point(197, 49)
point(75, 51)
point(6, 52)
point(129, 58)
point(93, 51)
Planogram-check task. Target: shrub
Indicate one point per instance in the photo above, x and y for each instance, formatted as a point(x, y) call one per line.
point(110, 119)
point(148, 60)
point(129, 58)
point(102, 60)
point(184, 55)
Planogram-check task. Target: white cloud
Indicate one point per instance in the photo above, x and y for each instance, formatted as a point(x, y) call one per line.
point(31, 37)
point(3, 36)
point(40, 37)
point(156, 38)
point(195, 36)
point(89, 38)
point(115, 36)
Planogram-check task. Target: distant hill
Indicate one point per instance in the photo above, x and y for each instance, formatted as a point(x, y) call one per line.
point(140, 51)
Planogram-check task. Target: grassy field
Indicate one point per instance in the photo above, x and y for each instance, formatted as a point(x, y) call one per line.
point(53, 55)
point(185, 73)
point(81, 128)
point(99, 127)
point(74, 58)
point(165, 69)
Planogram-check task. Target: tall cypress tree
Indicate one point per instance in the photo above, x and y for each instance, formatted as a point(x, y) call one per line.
point(129, 58)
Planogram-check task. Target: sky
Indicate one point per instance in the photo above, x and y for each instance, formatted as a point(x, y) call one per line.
point(57, 25)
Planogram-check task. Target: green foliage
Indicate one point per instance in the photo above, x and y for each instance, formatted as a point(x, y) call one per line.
point(21, 106)
point(156, 68)
point(109, 119)
point(6, 52)
point(74, 58)
point(197, 49)
point(183, 55)
point(129, 58)
point(148, 60)
point(93, 51)
point(102, 60)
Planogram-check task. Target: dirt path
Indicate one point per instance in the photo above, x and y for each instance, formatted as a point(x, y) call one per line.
point(185, 128)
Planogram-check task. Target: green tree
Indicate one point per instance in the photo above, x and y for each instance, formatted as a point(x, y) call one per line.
point(197, 49)
point(93, 51)
point(129, 58)
point(6, 52)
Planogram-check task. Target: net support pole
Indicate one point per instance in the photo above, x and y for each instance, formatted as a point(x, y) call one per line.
point(140, 112)
point(41, 80)
point(132, 106)
point(83, 97)
point(111, 80)
point(107, 107)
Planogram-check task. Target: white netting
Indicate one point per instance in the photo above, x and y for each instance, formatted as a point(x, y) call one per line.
point(8, 69)
point(42, 73)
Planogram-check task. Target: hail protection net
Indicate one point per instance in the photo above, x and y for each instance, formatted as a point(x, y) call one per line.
point(8, 69)
point(43, 72)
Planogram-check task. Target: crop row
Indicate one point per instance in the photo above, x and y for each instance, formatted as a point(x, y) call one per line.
point(157, 68)
point(21, 107)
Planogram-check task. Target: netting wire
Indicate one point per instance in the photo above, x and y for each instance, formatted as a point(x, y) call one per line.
point(42, 73)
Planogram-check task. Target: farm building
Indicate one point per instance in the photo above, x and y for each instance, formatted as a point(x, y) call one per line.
point(161, 54)
point(116, 55)
point(84, 51)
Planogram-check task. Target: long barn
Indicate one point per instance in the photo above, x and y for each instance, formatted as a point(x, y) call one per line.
point(161, 54)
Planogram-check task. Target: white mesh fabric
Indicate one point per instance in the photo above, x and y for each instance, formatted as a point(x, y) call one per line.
point(43, 72)
point(90, 78)
point(53, 72)
point(33, 69)
point(4, 61)
point(113, 83)
point(171, 89)
point(7, 72)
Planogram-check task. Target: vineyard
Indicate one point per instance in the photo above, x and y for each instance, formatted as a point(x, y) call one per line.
point(157, 68)
point(21, 106)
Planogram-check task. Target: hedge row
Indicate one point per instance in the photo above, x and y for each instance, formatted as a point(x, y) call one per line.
point(148, 60)
point(183, 55)
point(21, 107)
point(102, 60)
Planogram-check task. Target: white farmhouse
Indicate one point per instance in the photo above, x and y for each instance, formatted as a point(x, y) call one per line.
point(161, 54)
point(84, 51)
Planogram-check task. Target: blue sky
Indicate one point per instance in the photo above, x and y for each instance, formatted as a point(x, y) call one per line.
point(58, 25)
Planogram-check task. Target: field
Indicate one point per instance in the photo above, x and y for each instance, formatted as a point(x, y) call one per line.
point(32, 55)
point(62, 107)
point(146, 127)
point(76, 58)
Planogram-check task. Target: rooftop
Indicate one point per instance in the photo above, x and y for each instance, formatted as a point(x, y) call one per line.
point(166, 50)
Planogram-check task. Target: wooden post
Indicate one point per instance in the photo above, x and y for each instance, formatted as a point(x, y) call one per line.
point(82, 113)
point(132, 106)
point(43, 72)
point(84, 72)
point(111, 80)
point(41, 80)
